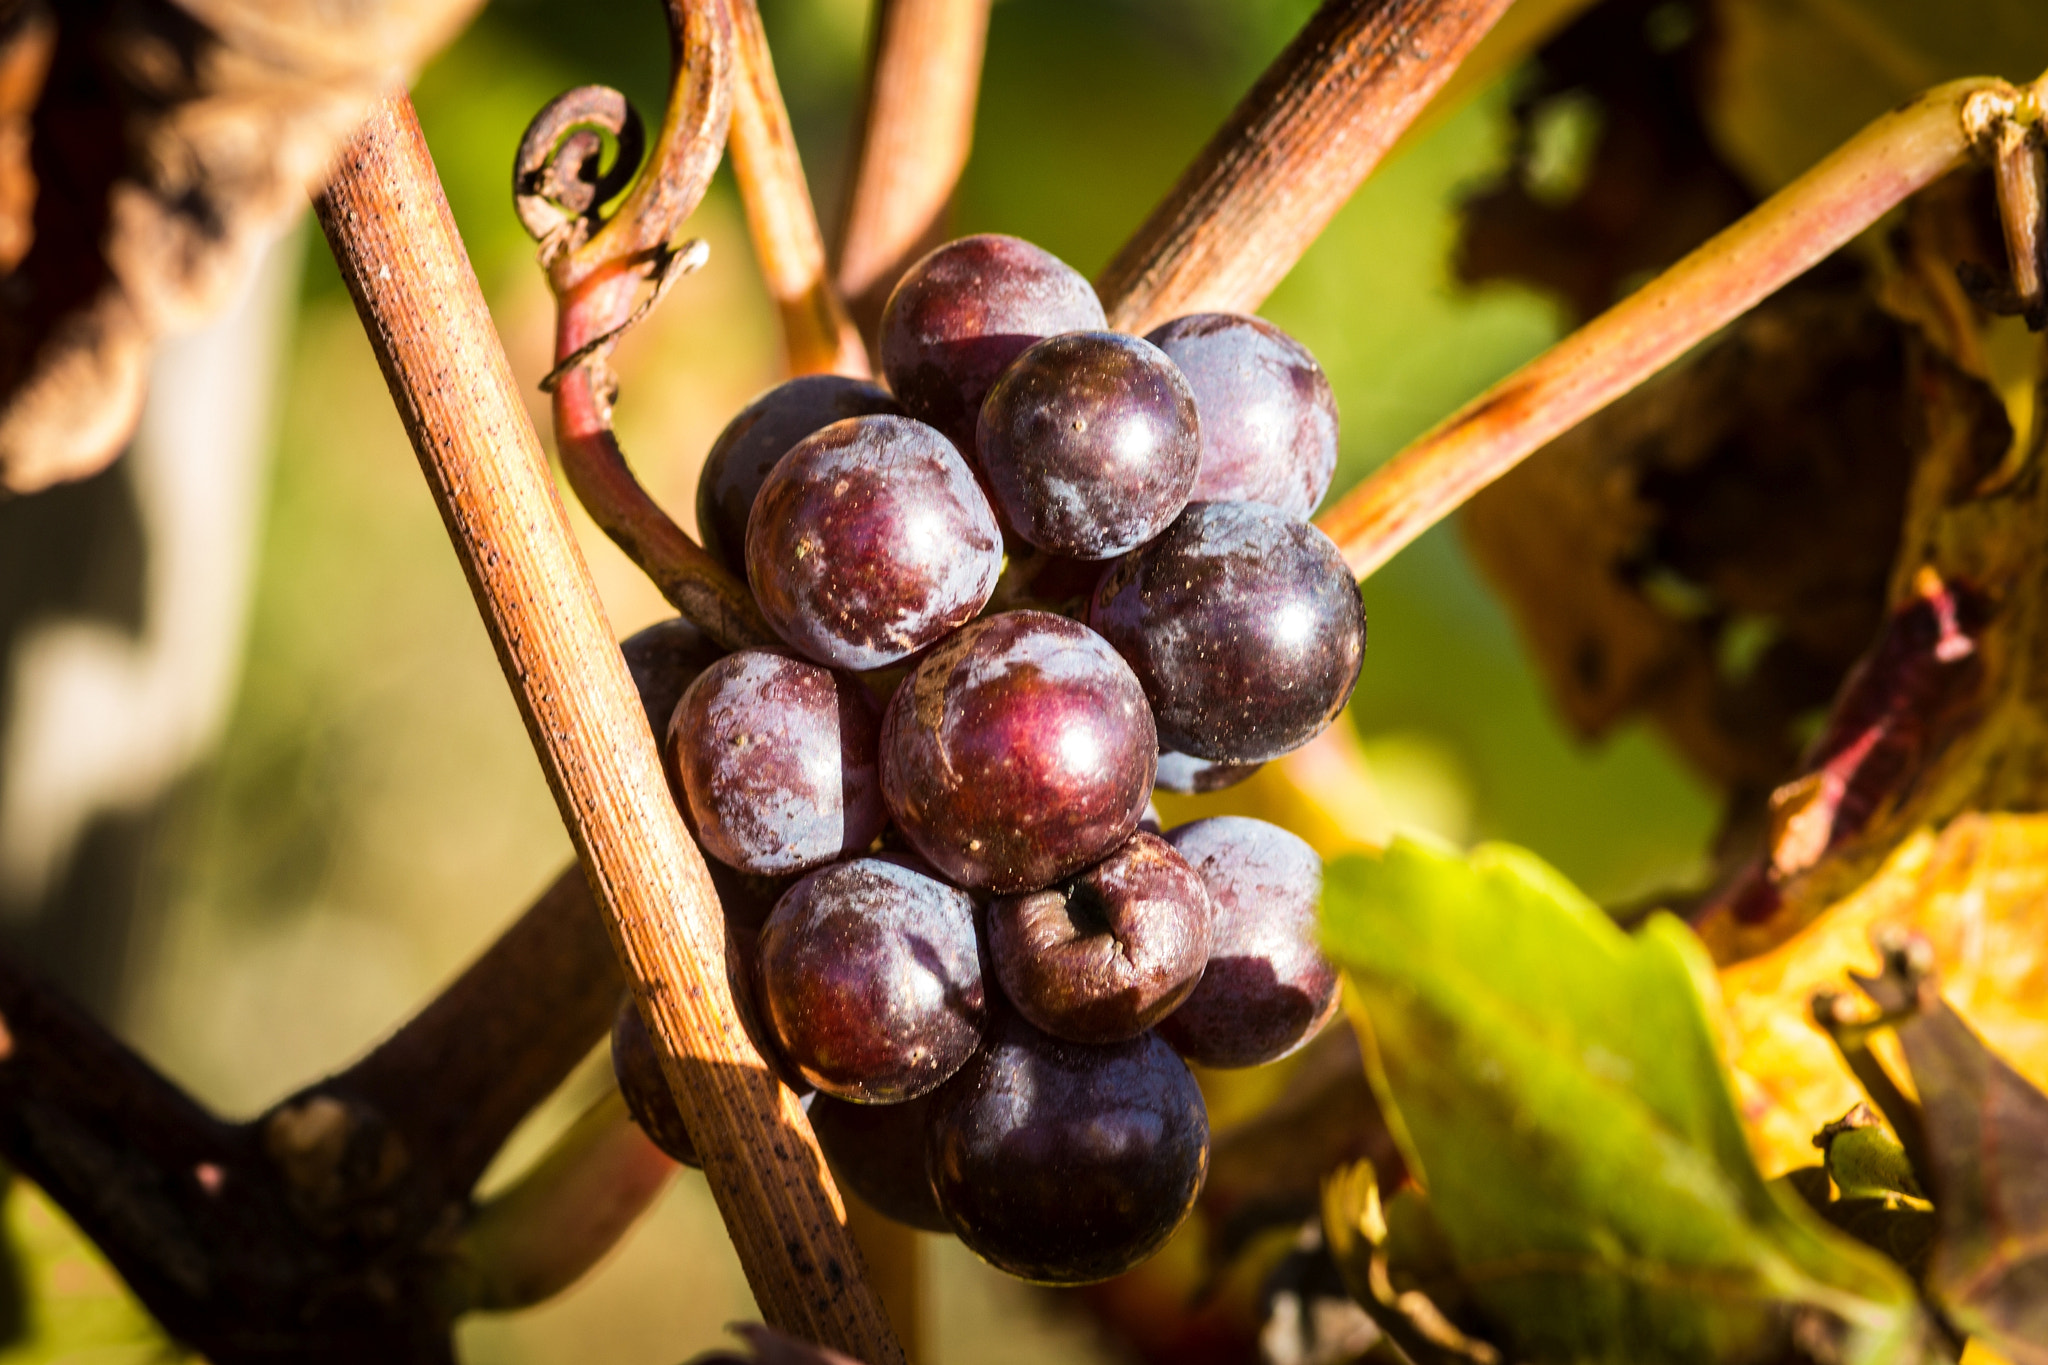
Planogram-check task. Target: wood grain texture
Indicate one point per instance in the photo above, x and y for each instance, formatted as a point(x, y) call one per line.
point(917, 123)
point(817, 335)
point(1780, 240)
point(1289, 156)
point(395, 241)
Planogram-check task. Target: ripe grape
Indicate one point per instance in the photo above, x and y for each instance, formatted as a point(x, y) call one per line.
point(1066, 1164)
point(776, 757)
point(739, 460)
point(960, 315)
point(1020, 750)
point(1269, 420)
point(637, 1068)
point(871, 972)
point(1089, 444)
point(1106, 955)
point(877, 1151)
point(869, 541)
point(1268, 989)
point(1244, 626)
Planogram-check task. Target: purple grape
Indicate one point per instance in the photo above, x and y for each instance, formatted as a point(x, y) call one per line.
point(776, 756)
point(871, 540)
point(877, 1151)
point(739, 460)
point(1269, 420)
point(1191, 776)
point(1244, 626)
point(1089, 444)
point(1065, 1164)
point(871, 972)
point(1020, 751)
point(637, 1068)
point(960, 316)
point(1268, 989)
point(1106, 955)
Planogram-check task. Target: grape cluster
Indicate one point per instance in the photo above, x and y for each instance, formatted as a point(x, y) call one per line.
point(1051, 567)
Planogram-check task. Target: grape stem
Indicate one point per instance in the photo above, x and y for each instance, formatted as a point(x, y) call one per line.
point(394, 239)
point(602, 269)
point(817, 335)
point(1319, 120)
point(916, 125)
point(1796, 228)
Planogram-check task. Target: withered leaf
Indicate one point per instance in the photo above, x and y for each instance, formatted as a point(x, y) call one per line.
point(167, 144)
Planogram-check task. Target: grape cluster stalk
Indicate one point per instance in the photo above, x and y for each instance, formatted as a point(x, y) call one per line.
point(979, 954)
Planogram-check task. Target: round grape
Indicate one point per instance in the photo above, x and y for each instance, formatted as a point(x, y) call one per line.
point(776, 756)
point(1269, 420)
point(1103, 956)
point(637, 1068)
point(871, 972)
point(1243, 624)
point(750, 445)
point(1020, 750)
point(959, 316)
point(1190, 776)
point(1089, 444)
point(869, 541)
point(1268, 989)
point(1066, 1164)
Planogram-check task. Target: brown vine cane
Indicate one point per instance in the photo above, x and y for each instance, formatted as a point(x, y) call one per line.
point(395, 240)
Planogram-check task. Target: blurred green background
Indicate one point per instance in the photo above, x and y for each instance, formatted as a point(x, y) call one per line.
point(375, 814)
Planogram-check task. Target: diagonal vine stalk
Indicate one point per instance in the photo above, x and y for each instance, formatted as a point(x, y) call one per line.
point(1781, 239)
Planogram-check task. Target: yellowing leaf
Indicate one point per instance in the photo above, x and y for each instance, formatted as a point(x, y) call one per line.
point(1978, 892)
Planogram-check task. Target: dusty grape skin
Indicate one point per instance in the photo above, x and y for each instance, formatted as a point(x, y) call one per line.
point(763, 432)
point(1103, 956)
point(1089, 444)
point(1269, 419)
point(1066, 1164)
point(1244, 626)
point(652, 1104)
point(871, 973)
point(1019, 751)
point(960, 315)
point(776, 756)
point(1187, 775)
point(1268, 989)
point(877, 1151)
point(869, 541)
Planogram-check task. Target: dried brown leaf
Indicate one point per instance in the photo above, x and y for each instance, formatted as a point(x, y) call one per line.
point(168, 144)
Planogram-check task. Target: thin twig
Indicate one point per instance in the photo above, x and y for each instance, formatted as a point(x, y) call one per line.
point(1786, 235)
point(602, 272)
point(817, 335)
point(917, 123)
point(395, 241)
point(1289, 156)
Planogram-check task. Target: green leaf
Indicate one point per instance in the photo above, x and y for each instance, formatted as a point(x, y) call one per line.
point(1556, 1086)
